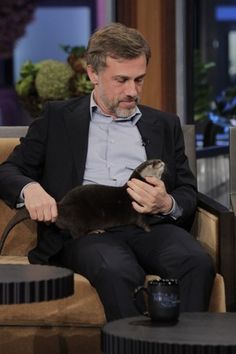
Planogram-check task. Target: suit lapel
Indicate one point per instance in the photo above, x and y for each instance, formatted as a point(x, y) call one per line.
point(152, 134)
point(77, 119)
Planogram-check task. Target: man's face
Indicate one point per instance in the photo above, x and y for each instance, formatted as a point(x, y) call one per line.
point(118, 86)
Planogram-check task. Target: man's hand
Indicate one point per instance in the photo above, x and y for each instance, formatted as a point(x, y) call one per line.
point(150, 197)
point(40, 205)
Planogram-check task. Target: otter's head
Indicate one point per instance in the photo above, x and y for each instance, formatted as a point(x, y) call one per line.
point(151, 168)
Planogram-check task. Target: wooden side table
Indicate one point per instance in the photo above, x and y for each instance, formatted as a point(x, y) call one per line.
point(202, 333)
point(26, 283)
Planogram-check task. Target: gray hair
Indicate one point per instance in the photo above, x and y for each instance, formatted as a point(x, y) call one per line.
point(117, 41)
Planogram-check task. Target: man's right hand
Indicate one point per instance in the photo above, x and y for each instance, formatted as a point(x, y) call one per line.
point(40, 205)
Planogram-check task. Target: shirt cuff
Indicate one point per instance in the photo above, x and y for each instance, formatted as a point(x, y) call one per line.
point(21, 199)
point(175, 211)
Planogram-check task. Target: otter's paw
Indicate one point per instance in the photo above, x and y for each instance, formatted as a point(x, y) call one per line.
point(97, 232)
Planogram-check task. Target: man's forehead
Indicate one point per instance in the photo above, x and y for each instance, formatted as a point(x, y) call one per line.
point(122, 67)
point(115, 59)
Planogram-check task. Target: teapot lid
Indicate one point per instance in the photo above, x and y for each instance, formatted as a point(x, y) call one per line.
point(163, 281)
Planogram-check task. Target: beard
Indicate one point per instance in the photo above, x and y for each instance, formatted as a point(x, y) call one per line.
point(114, 108)
point(123, 112)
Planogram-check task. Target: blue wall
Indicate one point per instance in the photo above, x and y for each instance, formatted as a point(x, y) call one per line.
point(51, 27)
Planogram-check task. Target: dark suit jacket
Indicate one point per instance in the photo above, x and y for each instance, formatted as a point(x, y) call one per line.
point(54, 153)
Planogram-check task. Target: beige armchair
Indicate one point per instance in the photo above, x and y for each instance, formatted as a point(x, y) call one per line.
point(73, 325)
point(214, 225)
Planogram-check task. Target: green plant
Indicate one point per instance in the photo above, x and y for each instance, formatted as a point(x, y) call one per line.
point(53, 80)
point(79, 84)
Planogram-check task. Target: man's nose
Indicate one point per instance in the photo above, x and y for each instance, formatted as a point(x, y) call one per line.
point(131, 89)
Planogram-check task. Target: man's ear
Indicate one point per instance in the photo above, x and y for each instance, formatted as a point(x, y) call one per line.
point(92, 74)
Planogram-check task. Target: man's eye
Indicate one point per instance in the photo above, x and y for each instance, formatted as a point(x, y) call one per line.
point(140, 80)
point(121, 79)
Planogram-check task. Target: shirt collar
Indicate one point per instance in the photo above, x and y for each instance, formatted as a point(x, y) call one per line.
point(95, 108)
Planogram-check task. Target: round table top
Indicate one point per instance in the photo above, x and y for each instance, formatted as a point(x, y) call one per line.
point(201, 331)
point(24, 283)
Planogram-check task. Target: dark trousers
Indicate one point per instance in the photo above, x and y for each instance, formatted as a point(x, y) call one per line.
point(117, 261)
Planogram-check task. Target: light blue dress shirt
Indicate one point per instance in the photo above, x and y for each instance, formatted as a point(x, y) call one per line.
point(115, 148)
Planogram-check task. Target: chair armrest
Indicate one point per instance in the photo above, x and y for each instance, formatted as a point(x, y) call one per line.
point(232, 167)
point(233, 202)
point(214, 228)
point(21, 239)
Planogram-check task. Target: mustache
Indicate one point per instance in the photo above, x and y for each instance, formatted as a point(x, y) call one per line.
point(130, 99)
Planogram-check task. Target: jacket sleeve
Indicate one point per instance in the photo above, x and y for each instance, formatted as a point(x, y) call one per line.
point(25, 163)
point(185, 184)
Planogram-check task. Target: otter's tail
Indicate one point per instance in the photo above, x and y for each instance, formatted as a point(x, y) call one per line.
point(21, 215)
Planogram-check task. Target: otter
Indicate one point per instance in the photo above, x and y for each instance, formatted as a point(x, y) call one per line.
point(94, 208)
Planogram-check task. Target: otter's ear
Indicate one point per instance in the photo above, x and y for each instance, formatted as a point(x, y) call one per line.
point(92, 74)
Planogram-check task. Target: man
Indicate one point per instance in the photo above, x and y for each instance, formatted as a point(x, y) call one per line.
point(101, 139)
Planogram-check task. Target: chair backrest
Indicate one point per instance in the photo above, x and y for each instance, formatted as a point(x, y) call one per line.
point(232, 168)
point(12, 131)
point(190, 146)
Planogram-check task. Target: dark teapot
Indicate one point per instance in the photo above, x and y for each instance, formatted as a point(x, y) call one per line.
point(162, 299)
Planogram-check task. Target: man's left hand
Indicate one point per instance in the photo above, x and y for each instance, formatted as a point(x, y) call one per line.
point(150, 197)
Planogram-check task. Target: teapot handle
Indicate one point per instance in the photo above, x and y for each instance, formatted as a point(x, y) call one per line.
point(136, 295)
